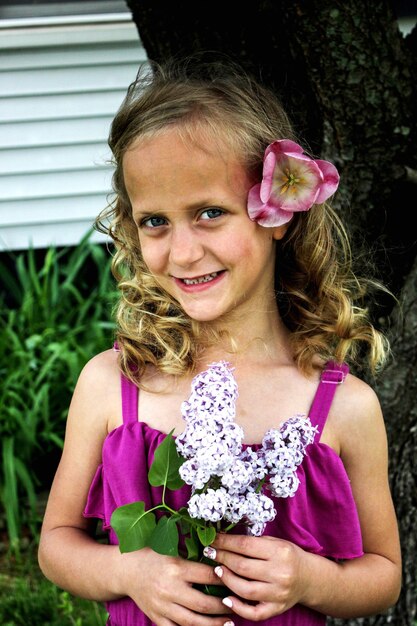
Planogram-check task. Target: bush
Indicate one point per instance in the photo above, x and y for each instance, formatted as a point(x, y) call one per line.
point(58, 316)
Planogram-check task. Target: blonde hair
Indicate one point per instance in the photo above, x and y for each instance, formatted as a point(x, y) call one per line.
point(318, 294)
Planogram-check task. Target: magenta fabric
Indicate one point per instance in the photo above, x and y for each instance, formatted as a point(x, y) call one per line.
point(321, 518)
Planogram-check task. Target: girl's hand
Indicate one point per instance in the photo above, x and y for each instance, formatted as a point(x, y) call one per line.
point(162, 587)
point(265, 571)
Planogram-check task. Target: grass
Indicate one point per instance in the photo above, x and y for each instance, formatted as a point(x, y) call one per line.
point(28, 599)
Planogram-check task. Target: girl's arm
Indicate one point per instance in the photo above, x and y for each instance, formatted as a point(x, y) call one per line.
point(68, 553)
point(275, 574)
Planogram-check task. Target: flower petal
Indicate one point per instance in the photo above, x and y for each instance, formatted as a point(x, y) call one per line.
point(268, 172)
point(330, 180)
point(284, 146)
point(274, 218)
point(264, 214)
point(255, 203)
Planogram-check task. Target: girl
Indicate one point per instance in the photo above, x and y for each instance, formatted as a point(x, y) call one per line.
point(226, 249)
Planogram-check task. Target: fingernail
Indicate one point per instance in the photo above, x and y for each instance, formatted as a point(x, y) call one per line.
point(230, 623)
point(218, 571)
point(209, 552)
point(227, 602)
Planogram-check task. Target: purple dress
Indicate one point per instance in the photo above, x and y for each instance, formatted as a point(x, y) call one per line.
point(321, 517)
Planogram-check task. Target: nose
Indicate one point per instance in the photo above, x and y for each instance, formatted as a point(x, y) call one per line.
point(186, 248)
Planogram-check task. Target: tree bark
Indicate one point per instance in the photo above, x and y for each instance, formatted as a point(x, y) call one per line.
point(345, 74)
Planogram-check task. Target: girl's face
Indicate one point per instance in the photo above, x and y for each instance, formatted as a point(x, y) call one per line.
point(196, 238)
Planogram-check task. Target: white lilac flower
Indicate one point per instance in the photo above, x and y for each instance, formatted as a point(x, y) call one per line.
point(198, 434)
point(284, 486)
point(260, 508)
point(214, 391)
point(256, 461)
point(210, 505)
point(212, 443)
point(256, 530)
point(193, 474)
point(215, 459)
point(236, 508)
point(299, 430)
point(237, 477)
point(201, 435)
point(285, 447)
point(282, 460)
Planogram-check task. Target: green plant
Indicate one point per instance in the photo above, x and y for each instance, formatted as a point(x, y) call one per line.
point(28, 599)
point(58, 316)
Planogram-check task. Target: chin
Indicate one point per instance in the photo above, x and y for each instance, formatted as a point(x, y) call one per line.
point(202, 317)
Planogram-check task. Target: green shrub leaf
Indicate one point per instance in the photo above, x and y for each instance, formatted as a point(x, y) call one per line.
point(192, 544)
point(165, 466)
point(164, 538)
point(133, 526)
point(206, 534)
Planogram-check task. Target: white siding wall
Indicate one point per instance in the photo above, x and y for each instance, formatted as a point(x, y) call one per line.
point(60, 85)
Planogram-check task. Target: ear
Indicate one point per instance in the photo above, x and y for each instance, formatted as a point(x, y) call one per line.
point(278, 232)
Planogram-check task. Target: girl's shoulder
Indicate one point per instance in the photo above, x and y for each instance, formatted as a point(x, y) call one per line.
point(105, 363)
point(355, 394)
point(101, 371)
point(98, 387)
point(356, 415)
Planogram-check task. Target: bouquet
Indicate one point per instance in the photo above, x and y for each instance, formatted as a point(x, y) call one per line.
point(230, 482)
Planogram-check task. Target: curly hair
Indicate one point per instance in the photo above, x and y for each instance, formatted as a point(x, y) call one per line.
point(319, 297)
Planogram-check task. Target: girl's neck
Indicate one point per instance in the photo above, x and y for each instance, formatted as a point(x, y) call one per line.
point(262, 339)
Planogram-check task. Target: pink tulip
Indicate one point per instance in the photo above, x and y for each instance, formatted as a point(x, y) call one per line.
point(291, 182)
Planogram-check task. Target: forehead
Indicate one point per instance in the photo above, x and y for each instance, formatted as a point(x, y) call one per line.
point(165, 169)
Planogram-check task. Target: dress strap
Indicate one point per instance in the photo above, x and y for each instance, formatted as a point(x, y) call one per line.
point(333, 375)
point(130, 395)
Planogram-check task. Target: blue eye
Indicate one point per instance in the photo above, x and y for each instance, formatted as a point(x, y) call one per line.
point(212, 213)
point(154, 221)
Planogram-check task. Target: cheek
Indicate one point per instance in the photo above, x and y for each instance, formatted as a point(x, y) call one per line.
point(151, 254)
point(251, 249)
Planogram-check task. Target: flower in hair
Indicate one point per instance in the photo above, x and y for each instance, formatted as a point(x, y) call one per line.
point(291, 182)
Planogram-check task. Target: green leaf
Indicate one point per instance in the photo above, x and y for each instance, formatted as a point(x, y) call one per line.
point(164, 538)
point(192, 545)
point(165, 466)
point(133, 526)
point(206, 534)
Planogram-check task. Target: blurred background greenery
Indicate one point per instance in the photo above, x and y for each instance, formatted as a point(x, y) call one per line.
point(55, 314)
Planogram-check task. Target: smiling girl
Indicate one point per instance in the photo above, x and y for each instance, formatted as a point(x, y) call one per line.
point(227, 249)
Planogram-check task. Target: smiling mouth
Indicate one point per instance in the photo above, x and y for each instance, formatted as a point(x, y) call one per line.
point(201, 279)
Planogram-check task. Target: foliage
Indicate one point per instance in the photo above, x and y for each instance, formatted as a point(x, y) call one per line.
point(57, 317)
point(27, 599)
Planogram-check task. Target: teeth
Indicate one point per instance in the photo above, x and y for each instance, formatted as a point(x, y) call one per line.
point(202, 279)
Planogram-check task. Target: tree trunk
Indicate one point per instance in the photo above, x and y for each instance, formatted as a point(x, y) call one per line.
point(345, 75)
